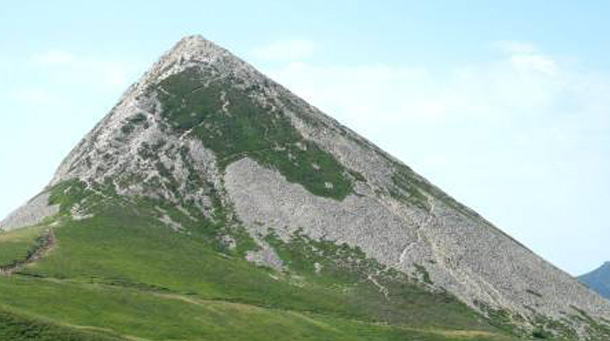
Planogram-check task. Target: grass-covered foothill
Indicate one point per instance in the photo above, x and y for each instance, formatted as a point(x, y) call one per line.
point(124, 275)
point(232, 124)
point(127, 313)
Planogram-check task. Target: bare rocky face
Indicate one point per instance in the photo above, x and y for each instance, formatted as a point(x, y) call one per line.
point(283, 166)
point(32, 213)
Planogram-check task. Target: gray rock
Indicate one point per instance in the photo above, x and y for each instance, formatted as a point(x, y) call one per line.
point(32, 213)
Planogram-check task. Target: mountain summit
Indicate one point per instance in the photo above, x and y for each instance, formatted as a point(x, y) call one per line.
point(209, 182)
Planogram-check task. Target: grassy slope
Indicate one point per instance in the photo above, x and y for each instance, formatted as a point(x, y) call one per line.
point(17, 326)
point(123, 273)
point(15, 245)
point(157, 316)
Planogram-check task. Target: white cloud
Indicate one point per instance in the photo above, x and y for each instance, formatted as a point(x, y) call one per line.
point(532, 90)
point(526, 57)
point(537, 63)
point(286, 50)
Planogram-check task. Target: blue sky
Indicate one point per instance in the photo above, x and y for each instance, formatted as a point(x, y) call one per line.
point(505, 106)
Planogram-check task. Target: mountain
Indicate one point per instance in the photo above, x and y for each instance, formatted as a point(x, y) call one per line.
point(211, 203)
point(598, 280)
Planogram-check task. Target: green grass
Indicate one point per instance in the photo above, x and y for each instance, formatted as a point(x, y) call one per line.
point(17, 326)
point(77, 311)
point(16, 245)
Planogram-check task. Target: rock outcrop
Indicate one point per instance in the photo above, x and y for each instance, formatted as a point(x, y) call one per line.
point(32, 213)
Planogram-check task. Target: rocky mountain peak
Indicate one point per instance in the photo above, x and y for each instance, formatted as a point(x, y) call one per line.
point(205, 132)
point(196, 44)
point(189, 51)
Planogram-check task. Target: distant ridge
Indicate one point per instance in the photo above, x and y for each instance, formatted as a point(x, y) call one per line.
point(598, 280)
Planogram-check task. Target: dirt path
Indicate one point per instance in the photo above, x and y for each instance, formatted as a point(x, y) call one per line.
point(44, 245)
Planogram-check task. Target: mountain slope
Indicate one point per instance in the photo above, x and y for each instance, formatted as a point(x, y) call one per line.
point(210, 185)
point(598, 280)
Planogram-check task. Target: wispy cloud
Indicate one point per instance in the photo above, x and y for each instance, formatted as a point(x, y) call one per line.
point(510, 87)
point(537, 63)
point(285, 50)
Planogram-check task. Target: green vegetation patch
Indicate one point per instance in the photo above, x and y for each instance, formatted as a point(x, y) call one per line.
point(599, 328)
point(232, 124)
point(421, 271)
point(18, 326)
point(407, 188)
point(96, 312)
